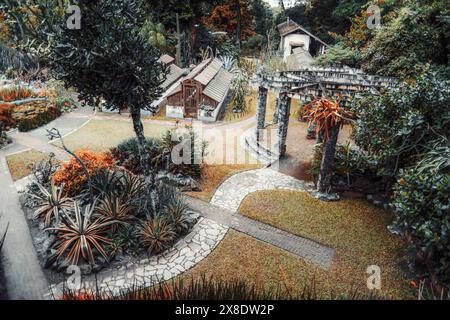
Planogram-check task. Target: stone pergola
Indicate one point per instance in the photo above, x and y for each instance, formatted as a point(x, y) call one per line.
point(307, 84)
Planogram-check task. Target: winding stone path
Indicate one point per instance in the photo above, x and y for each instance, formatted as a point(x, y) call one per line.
point(309, 250)
point(190, 250)
point(231, 192)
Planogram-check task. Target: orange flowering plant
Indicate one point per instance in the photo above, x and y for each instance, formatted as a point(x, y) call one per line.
point(72, 175)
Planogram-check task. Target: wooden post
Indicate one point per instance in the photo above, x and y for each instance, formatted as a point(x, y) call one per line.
point(261, 111)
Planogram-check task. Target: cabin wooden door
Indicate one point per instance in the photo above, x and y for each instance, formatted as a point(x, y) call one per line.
point(190, 101)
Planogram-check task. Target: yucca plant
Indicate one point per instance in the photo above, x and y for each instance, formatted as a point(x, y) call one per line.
point(79, 237)
point(115, 208)
point(156, 234)
point(51, 202)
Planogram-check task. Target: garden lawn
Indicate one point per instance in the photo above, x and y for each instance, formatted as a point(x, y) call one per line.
point(19, 163)
point(355, 229)
point(214, 175)
point(100, 135)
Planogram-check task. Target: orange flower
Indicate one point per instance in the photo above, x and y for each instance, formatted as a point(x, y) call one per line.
point(72, 174)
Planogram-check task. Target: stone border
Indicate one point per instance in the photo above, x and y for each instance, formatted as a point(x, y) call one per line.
point(187, 252)
point(232, 191)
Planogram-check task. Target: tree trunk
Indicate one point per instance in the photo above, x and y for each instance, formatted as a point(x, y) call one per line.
point(144, 156)
point(239, 25)
point(326, 166)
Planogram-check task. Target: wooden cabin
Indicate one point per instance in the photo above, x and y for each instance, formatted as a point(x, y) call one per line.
point(201, 94)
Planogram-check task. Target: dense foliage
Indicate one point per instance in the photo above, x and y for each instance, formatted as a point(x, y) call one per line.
point(412, 33)
point(397, 127)
point(422, 205)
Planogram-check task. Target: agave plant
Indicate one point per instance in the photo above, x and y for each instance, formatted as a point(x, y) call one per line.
point(157, 234)
point(133, 186)
point(115, 208)
point(228, 63)
point(51, 202)
point(176, 210)
point(104, 182)
point(79, 237)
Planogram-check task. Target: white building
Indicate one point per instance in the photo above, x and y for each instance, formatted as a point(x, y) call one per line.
point(298, 45)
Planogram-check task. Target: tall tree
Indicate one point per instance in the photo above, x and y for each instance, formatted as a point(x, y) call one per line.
point(107, 57)
point(233, 17)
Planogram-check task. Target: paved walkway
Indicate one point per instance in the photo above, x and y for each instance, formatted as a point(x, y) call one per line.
point(24, 276)
point(187, 252)
point(312, 251)
point(230, 193)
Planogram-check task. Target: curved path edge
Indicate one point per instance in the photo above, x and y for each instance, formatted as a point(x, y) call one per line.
point(186, 253)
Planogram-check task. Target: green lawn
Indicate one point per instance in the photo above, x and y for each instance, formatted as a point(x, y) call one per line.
point(100, 135)
point(19, 163)
point(354, 228)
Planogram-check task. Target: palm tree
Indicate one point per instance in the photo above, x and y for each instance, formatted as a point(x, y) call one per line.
point(329, 116)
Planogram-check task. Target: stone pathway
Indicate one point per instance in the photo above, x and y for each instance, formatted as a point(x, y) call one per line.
point(312, 251)
point(231, 192)
point(190, 250)
point(24, 276)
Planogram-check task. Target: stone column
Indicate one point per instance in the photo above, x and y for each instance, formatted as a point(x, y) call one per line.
point(261, 111)
point(276, 113)
point(283, 118)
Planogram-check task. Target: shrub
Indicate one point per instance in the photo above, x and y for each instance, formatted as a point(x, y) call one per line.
point(40, 119)
point(15, 93)
point(348, 162)
point(157, 234)
point(176, 209)
point(422, 210)
point(6, 110)
point(72, 175)
point(125, 240)
point(126, 154)
point(44, 170)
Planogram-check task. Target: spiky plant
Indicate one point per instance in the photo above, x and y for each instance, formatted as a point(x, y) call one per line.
point(157, 234)
point(104, 182)
point(115, 208)
point(133, 186)
point(228, 63)
point(51, 202)
point(329, 116)
point(81, 237)
point(176, 210)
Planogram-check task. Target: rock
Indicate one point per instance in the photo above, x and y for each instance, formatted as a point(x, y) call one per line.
point(326, 196)
point(195, 186)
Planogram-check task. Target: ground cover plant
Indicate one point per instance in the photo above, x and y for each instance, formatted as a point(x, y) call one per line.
point(355, 229)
